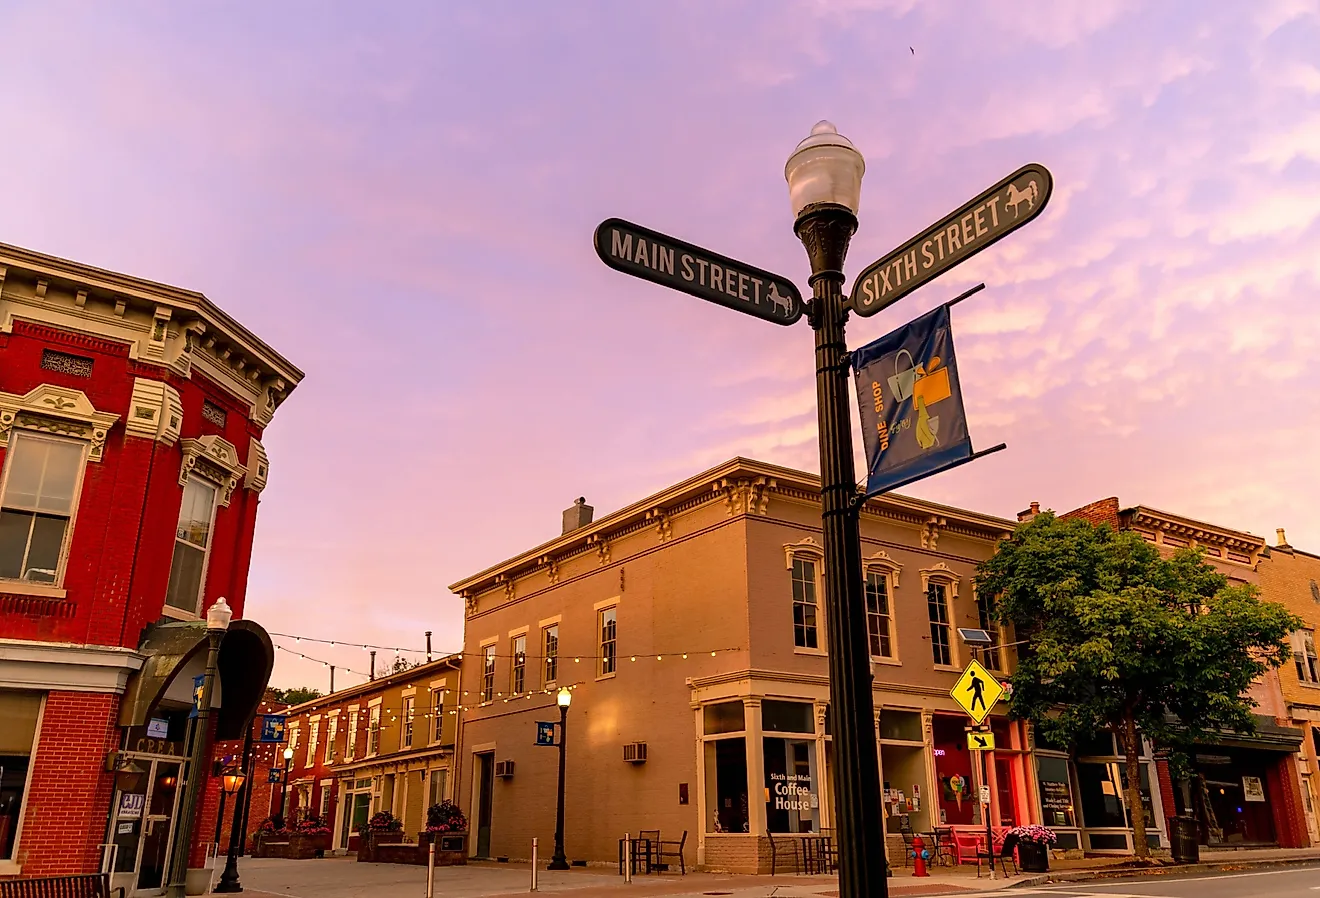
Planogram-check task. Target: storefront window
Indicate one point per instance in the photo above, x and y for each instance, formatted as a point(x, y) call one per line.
point(1102, 795)
point(786, 717)
point(953, 771)
point(725, 717)
point(1056, 798)
point(18, 727)
point(792, 799)
point(726, 786)
point(900, 725)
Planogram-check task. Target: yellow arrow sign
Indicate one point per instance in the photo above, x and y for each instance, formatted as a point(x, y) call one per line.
point(981, 741)
point(977, 691)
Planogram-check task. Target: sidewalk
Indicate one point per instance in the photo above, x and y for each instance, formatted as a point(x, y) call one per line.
point(343, 877)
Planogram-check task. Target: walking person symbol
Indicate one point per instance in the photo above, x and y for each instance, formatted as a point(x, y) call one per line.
point(977, 686)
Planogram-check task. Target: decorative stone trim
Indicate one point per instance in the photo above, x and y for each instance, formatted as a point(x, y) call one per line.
point(156, 411)
point(930, 532)
point(664, 525)
point(258, 466)
point(881, 561)
point(57, 410)
point(940, 573)
point(807, 548)
point(745, 495)
point(216, 459)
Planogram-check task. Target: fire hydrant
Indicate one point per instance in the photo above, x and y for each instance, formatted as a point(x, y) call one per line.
point(918, 856)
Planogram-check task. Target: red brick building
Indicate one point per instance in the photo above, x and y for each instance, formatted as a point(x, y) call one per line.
point(131, 468)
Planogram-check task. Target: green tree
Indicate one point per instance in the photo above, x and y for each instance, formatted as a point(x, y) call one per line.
point(1117, 638)
point(295, 695)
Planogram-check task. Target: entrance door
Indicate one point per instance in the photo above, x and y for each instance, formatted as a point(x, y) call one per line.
point(485, 794)
point(143, 826)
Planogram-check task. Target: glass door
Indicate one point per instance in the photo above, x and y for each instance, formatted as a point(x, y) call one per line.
point(158, 827)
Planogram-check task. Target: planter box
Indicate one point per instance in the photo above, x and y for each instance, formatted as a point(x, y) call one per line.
point(450, 848)
point(1033, 857)
point(369, 845)
point(293, 846)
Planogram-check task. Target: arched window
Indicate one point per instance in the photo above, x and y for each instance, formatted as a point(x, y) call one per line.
point(941, 587)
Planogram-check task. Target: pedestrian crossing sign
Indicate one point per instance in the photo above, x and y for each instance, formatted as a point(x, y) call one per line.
point(977, 691)
point(981, 741)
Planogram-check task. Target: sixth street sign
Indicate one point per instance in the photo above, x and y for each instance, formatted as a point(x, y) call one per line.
point(672, 263)
point(996, 213)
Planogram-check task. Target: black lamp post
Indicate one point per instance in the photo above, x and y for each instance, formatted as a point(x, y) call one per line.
point(559, 861)
point(824, 184)
point(233, 781)
point(217, 622)
point(284, 793)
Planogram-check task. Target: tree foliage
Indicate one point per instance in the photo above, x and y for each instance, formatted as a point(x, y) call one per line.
point(1118, 638)
point(294, 695)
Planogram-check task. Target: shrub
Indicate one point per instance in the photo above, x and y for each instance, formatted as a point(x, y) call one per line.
point(445, 817)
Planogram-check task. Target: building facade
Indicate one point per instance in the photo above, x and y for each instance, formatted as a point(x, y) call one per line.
point(690, 629)
point(1291, 577)
point(1243, 789)
point(384, 745)
point(131, 468)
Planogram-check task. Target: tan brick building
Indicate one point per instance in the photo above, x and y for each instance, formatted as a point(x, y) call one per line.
point(690, 627)
point(1292, 578)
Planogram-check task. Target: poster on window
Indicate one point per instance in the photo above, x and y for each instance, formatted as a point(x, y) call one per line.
point(1253, 789)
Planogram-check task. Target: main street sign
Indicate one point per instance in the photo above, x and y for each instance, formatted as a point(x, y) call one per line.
point(672, 263)
point(977, 691)
point(996, 213)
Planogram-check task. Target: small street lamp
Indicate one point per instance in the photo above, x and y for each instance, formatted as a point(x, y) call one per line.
point(232, 781)
point(217, 623)
point(284, 796)
point(824, 175)
point(559, 861)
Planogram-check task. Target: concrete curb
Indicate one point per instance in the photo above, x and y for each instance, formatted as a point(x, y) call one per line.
point(1135, 872)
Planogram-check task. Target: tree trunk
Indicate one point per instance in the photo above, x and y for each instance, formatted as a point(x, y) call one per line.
point(1132, 755)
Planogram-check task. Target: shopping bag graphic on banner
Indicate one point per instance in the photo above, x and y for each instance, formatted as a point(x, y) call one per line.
point(901, 381)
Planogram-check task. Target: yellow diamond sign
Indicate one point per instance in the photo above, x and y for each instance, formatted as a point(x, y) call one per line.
point(977, 691)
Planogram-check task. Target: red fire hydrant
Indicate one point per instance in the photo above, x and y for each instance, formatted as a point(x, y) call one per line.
point(918, 856)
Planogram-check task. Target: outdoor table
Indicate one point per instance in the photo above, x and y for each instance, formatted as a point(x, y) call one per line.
point(816, 854)
point(641, 855)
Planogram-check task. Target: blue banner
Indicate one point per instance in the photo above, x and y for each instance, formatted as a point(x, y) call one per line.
point(910, 403)
point(272, 728)
point(198, 682)
point(545, 732)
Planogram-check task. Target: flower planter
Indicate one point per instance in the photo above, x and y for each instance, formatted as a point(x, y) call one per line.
point(370, 842)
point(1033, 857)
point(450, 847)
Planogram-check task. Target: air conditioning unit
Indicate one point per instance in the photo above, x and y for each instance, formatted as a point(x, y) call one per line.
point(634, 752)
point(504, 769)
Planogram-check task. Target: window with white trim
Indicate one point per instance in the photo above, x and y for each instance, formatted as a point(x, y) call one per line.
point(550, 645)
point(437, 714)
point(350, 746)
point(331, 733)
point(313, 734)
point(609, 639)
point(488, 673)
point(937, 609)
point(518, 679)
point(373, 731)
point(192, 545)
point(1304, 656)
point(42, 475)
point(409, 711)
point(805, 633)
point(878, 619)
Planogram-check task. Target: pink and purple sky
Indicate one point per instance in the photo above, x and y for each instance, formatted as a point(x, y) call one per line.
point(401, 199)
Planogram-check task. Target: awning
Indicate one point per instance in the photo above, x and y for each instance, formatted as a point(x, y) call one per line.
point(1269, 736)
point(176, 652)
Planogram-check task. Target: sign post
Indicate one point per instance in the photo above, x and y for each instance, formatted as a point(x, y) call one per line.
point(977, 692)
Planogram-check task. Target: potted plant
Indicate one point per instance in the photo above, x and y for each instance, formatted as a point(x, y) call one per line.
point(382, 827)
point(311, 837)
point(272, 829)
point(1033, 846)
point(447, 827)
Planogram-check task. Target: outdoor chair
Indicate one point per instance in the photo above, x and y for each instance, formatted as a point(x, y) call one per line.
point(665, 851)
point(905, 830)
point(966, 847)
point(782, 846)
point(1005, 851)
point(830, 850)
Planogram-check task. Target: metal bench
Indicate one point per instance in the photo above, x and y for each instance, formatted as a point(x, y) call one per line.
point(89, 885)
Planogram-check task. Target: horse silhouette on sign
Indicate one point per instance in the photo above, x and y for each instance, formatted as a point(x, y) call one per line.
point(779, 300)
point(1017, 197)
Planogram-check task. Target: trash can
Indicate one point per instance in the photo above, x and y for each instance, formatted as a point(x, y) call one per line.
point(1185, 838)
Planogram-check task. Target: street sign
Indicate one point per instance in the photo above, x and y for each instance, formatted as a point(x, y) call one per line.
point(960, 235)
point(985, 795)
point(981, 741)
point(681, 266)
point(272, 728)
point(545, 732)
point(977, 691)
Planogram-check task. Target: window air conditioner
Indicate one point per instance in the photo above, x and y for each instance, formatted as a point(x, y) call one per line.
point(634, 752)
point(504, 769)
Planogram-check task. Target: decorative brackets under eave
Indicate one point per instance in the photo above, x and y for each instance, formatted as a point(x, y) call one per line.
point(214, 458)
point(156, 411)
point(56, 410)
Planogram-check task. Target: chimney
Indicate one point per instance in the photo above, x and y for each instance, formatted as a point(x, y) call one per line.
point(578, 516)
point(1029, 514)
point(1283, 540)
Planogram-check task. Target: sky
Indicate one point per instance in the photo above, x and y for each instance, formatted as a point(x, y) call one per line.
point(400, 198)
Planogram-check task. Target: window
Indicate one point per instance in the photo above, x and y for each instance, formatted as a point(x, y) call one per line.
point(550, 644)
point(1304, 656)
point(608, 640)
point(990, 657)
point(351, 747)
point(804, 604)
point(373, 731)
point(437, 714)
point(438, 777)
point(325, 802)
point(314, 734)
point(937, 603)
point(519, 680)
point(331, 733)
point(488, 673)
point(19, 712)
point(41, 476)
point(877, 613)
point(409, 707)
point(191, 544)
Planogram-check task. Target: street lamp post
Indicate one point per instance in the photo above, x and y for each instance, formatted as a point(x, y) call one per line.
point(217, 622)
point(824, 177)
point(284, 794)
point(559, 861)
point(234, 781)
